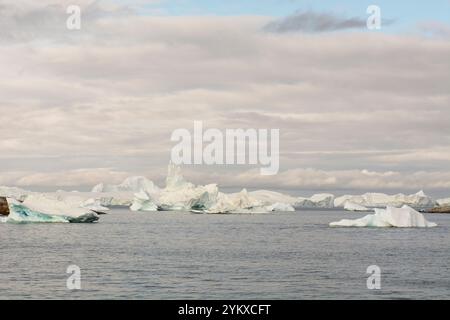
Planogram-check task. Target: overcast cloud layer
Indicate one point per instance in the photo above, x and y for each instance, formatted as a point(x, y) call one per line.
point(359, 110)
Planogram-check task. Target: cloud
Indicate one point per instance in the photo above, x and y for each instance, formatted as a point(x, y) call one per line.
point(111, 97)
point(309, 21)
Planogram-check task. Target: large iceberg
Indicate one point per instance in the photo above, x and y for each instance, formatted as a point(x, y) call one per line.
point(41, 208)
point(180, 195)
point(417, 200)
point(404, 217)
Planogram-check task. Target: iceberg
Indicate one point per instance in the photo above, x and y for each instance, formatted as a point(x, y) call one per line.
point(404, 217)
point(180, 195)
point(350, 206)
point(417, 200)
point(39, 208)
point(321, 200)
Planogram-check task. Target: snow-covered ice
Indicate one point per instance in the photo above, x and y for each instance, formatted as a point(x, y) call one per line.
point(404, 217)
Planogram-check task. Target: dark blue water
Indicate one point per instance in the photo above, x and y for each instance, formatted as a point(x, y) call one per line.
point(188, 256)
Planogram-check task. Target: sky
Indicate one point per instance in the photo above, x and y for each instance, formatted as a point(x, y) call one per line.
point(357, 109)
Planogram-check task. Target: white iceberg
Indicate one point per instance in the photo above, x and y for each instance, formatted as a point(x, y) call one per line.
point(404, 217)
point(350, 206)
point(417, 200)
point(180, 195)
point(321, 200)
point(41, 208)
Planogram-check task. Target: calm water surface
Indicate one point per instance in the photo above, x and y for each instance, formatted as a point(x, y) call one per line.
point(189, 256)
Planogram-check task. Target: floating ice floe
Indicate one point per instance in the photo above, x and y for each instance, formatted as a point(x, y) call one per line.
point(404, 217)
point(350, 206)
point(417, 200)
point(41, 208)
point(321, 200)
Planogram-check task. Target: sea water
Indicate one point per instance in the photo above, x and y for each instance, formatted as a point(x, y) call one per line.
point(180, 255)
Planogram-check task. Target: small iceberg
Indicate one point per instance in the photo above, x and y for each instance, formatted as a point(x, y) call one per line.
point(404, 217)
point(350, 206)
point(38, 208)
